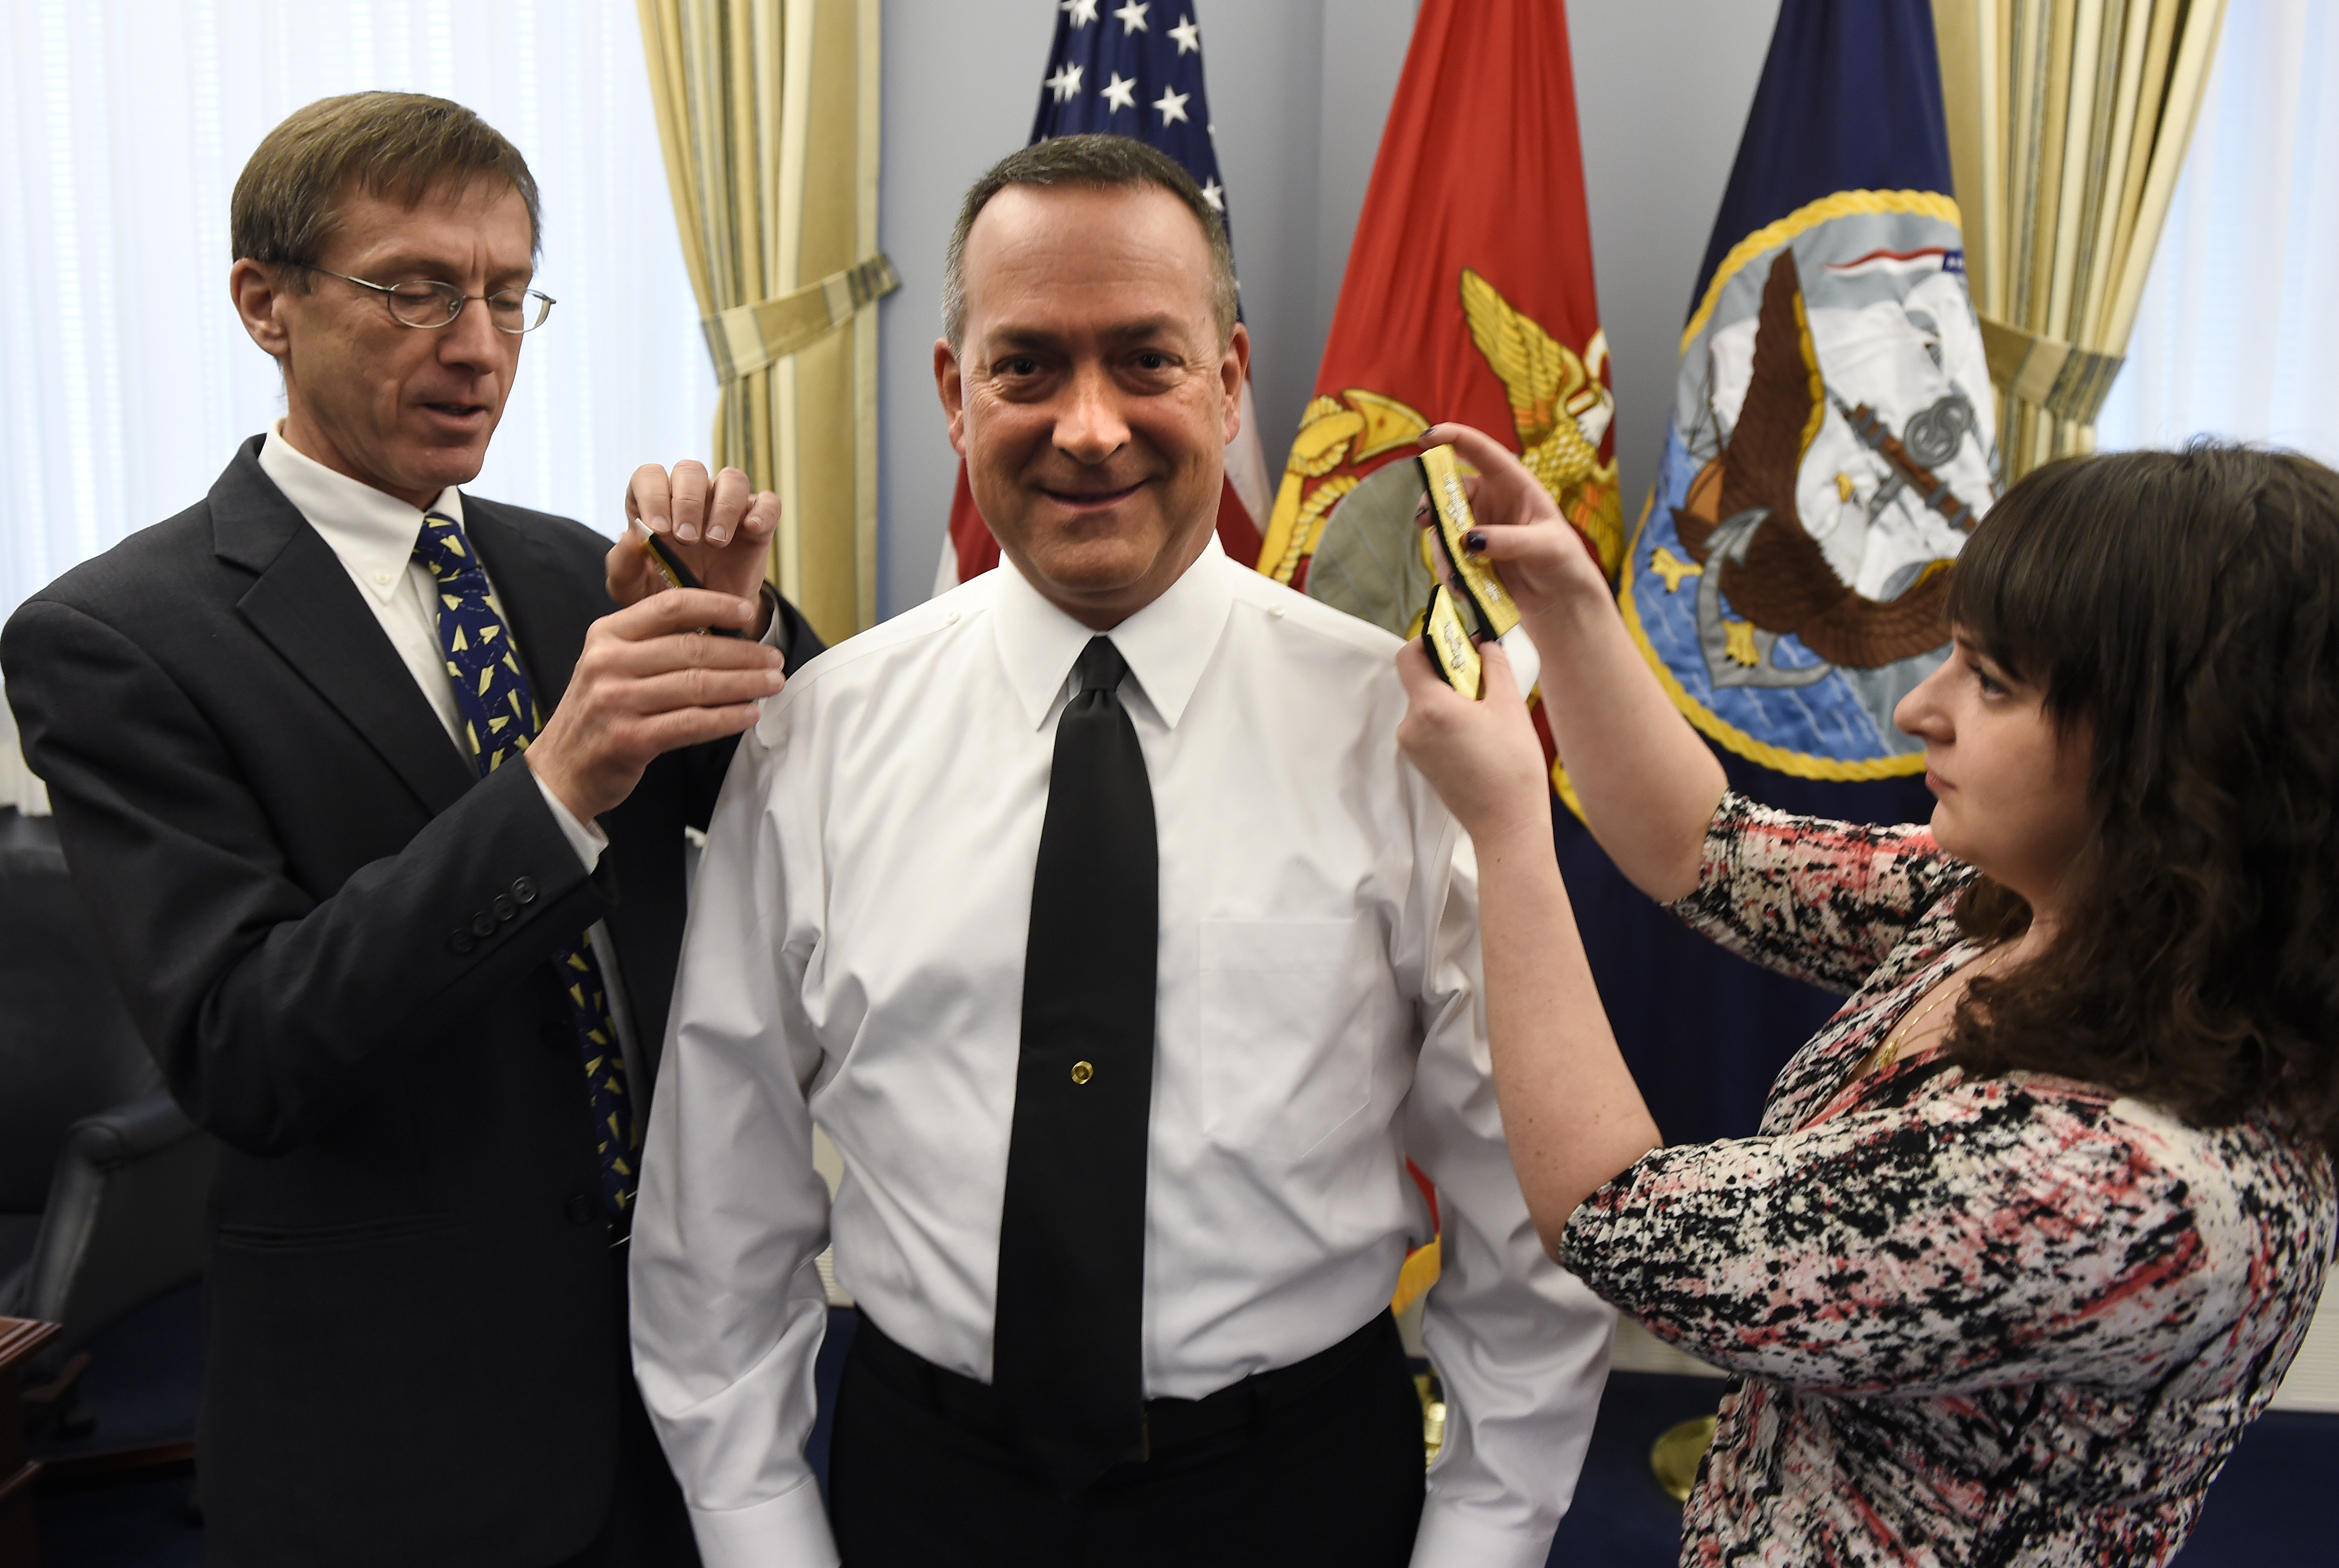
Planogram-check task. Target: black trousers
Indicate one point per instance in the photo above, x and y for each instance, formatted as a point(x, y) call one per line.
point(1317, 1464)
point(648, 1524)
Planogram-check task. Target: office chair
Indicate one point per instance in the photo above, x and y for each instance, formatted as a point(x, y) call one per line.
point(103, 1181)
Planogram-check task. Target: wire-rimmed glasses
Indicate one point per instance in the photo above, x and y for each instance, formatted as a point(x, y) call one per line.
point(426, 303)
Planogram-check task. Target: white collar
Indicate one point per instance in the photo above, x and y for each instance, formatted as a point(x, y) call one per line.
point(1167, 644)
point(372, 533)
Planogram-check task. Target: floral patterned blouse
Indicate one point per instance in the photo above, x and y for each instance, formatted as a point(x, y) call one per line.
point(2013, 1321)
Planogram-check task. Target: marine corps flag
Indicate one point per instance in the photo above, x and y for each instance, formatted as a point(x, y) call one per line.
point(1468, 296)
point(1830, 450)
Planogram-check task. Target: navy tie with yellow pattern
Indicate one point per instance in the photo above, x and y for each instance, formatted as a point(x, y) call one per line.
point(500, 719)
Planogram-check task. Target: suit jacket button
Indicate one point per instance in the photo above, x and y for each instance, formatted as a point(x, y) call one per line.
point(463, 942)
point(504, 908)
point(524, 889)
point(581, 1210)
point(483, 924)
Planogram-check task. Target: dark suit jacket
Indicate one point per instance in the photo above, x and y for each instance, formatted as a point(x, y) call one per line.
point(415, 1323)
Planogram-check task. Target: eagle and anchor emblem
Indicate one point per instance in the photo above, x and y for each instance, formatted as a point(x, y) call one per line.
point(1752, 553)
point(1830, 452)
point(1342, 530)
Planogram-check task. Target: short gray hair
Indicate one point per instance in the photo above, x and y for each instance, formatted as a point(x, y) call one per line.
point(1088, 160)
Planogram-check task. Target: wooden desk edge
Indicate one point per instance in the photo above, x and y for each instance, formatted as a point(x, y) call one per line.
point(20, 1336)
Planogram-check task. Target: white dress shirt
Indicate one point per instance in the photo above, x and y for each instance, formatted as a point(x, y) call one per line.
point(374, 535)
point(855, 958)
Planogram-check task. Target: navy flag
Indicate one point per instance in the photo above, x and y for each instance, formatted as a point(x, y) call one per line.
point(1132, 69)
point(1830, 450)
point(1831, 443)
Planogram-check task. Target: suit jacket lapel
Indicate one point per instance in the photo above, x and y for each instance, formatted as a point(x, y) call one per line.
point(309, 611)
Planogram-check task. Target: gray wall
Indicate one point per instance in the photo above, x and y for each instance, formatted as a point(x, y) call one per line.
point(961, 80)
point(1298, 90)
point(1662, 91)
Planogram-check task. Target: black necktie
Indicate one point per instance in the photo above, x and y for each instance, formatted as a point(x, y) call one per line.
point(1067, 1350)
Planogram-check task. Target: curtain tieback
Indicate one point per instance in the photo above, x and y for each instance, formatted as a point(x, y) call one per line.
point(2068, 381)
point(745, 339)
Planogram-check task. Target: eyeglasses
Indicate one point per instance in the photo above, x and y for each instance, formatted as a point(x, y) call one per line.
point(421, 303)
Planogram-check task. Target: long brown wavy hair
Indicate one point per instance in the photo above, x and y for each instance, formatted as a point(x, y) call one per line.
point(2183, 609)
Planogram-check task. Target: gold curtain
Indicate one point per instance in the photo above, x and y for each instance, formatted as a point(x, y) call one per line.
point(767, 111)
point(2068, 121)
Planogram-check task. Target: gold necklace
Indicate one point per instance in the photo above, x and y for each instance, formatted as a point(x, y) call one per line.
point(1890, 1051)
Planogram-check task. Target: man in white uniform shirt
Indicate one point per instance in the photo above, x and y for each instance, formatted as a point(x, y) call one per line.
point(1091, 911)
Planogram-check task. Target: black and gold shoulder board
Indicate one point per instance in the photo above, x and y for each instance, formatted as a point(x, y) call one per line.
point(1495, 611)
point(1448, 643)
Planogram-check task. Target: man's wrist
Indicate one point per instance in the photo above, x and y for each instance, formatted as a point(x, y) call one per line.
point(584, 835)
point(558, 786)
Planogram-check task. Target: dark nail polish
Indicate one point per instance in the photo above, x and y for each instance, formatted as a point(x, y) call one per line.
point(1473, 543)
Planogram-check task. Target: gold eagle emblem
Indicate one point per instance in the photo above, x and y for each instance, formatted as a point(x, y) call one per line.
point(1555, 395)
point(1560, 409)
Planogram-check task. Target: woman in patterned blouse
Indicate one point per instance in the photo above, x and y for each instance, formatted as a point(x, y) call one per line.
point(2035, 1224)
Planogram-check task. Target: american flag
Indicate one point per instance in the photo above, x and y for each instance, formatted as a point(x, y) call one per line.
point(1133, 73)
point(1134, 70)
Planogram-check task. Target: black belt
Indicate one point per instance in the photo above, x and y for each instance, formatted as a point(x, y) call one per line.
point(1168, 1423)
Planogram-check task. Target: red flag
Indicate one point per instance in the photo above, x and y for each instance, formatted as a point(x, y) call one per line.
point(1468, 296)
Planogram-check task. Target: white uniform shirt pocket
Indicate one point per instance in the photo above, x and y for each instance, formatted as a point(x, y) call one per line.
point(1284, 1062)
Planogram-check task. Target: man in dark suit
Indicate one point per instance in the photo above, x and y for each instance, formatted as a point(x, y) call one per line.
point(413, 967)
